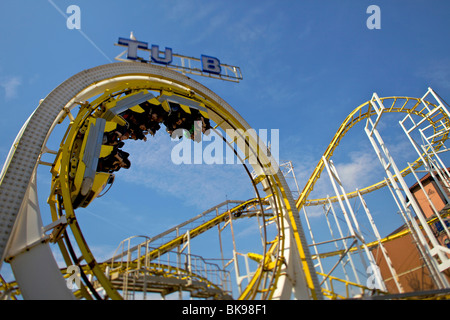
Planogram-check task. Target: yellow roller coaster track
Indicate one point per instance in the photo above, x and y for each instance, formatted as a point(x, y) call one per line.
point(362, 112)
point(412, 106)
point(375, 243)
point(265, 280)
point(106, 84)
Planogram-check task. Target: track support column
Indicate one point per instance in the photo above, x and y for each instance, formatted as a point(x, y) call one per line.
point(30, 256)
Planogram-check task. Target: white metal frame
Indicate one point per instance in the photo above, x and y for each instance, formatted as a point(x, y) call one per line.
point(380, 244)
point(401, 192)
point(352, 224)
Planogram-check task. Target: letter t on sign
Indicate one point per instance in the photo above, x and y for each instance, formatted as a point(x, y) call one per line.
point(133, 45)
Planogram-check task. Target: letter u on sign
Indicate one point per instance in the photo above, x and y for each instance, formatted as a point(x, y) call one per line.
point(211, 64)
point(156, 55)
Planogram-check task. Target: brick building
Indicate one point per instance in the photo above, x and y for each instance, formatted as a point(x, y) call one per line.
point(411, 269)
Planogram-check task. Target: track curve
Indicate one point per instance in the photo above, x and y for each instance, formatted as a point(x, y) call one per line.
point(286, 264)
point(398, 104)
point(102, 82)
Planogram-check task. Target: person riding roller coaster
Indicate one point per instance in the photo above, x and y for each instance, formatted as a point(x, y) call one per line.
point(152, 117)
point(194, 123)
point(116, 160)
point(176, 119)
point(136, 127)
point(116, 136)
point(139, 124)
point(199, 124)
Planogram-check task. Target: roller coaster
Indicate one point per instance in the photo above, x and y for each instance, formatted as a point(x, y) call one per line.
point(283, 265)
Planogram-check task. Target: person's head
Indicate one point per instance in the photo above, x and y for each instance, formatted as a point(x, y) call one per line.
point(180, 121)
point(125, 136)
point(154, 116)
point(125, 163)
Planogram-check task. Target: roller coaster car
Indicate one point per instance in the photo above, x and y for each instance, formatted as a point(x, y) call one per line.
point(195, 110)
point(185, 103)
point(87, 183)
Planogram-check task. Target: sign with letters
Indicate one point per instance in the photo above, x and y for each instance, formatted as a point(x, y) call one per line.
point(206, 65)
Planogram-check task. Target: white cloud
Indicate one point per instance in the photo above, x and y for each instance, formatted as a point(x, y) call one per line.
point(358, 172)
point(188, 13)
point(356, 169)
point(10, 84)
point(312, 211)
point(199, 185)
point(437, 73)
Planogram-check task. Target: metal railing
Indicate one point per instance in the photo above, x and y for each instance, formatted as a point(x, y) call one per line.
point(140, 271)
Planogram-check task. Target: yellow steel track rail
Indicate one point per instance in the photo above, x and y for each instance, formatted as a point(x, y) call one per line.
point(63, 179)
point(178, 241)
point(105, 83)
point(348, 284)
point(60, 198)
point(406, 105)
point(375, 243)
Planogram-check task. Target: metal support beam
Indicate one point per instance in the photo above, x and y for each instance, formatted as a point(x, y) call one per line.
point(380, 244)
point(401, 193)
point(353, 224)
point(30, 256)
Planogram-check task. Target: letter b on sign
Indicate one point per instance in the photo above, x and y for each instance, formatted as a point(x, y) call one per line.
point(211, 64)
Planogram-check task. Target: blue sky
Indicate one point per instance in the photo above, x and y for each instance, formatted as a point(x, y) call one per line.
point(306, 66)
